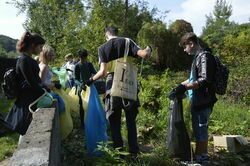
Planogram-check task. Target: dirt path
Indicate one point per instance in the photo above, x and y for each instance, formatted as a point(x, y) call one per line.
point(4, 162)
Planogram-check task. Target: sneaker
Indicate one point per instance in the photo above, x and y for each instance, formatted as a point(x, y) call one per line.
point(202, 158)
point(149, 51)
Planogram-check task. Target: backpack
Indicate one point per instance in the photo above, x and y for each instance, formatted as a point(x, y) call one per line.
point(221, 77)
point(10, 84)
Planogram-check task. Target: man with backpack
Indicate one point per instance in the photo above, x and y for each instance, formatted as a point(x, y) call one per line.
point(201, 91)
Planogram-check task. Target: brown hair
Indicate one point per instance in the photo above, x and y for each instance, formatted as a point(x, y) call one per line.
point(188, 37)
point(27, 40)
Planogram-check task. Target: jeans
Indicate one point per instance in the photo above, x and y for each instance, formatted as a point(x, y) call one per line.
point(200, 123)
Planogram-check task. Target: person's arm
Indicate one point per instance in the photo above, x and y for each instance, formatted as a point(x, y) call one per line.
point(43, 73)
point(143, 53)
point(101, 73)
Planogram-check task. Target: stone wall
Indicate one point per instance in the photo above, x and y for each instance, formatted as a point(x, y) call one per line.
point(41, 144)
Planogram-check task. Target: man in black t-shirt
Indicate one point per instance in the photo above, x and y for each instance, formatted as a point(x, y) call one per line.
point(109, 52)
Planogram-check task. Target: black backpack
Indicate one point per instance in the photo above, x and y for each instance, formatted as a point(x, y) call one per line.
point(10, 84)
point(221, 77)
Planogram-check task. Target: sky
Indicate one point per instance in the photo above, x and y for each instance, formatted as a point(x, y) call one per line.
point(193, 11)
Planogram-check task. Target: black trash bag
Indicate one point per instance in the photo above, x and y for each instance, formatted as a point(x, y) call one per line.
point(178, 142)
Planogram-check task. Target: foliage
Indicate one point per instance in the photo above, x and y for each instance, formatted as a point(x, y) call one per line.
point(111, 156)
point(217, 25)
point(3, 52)
point(181, 27)
point(59, 22)
point(8, 144)
point(7, 43)
point(128, 18)
point(239, 116)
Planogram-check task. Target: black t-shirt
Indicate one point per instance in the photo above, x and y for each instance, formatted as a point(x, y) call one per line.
point(114, 49)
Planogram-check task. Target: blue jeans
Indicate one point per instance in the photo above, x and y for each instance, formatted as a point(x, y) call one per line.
point(200, 123)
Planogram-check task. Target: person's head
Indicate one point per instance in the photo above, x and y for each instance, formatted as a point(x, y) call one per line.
point(47, 54)
point(69, 57)
point(190, 43)
point(30, 43)
point(82, 54)
point(111, 31)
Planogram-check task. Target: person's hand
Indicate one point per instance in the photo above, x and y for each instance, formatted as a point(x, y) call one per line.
point(58, 85)
point(90, 81)
point(83, 87)
point(149, 51)
point(177, 91)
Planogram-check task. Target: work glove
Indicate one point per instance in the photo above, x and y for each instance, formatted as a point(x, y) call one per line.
point(177, 91)
point(83, 87)
point(58, 85)
point(90, 81)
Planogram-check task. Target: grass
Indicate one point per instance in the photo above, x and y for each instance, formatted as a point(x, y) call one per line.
point(226, 118)
point(8, 143)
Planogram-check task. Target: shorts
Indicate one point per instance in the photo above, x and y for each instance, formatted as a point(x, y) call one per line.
point(200, 123)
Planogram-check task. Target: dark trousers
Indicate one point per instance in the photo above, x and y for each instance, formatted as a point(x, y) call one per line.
point(115, 126)
point(81, 110)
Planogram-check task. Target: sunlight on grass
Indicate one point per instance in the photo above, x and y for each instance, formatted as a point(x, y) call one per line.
point(8, 144)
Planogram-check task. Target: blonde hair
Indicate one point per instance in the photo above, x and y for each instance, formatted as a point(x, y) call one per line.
point(46, 54)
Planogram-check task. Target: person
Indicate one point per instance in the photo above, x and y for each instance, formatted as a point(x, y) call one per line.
point(30, 89)
point(201, 91)
point(83, 71)
point(46, 56)
point(70, 67)
point(108, 53)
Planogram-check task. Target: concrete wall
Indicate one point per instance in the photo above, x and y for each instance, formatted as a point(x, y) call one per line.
point(41, 144)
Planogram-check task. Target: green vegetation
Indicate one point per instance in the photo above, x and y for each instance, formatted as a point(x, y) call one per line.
point(8, 143)
point(70, 25)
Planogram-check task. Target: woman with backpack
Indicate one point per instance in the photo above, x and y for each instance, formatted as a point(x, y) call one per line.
point(29, 82)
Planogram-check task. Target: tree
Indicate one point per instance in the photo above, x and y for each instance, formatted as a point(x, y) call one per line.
point(181, 27)
point(127, 17)
point(217, 25)
point(58, 21)
point(164, 43)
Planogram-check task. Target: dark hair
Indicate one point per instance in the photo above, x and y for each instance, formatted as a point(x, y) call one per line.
point(113, 30)
point(188, 37)
point(27, 40)
point(82, 53)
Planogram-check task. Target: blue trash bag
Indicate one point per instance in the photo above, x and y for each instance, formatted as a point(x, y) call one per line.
point(95, 123)
point(60, 101)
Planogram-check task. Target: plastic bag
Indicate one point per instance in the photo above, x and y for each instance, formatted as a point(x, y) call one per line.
point(66, 123)
point(95, 122)
point(178, 141)
point(74, 99)
point(61, 73)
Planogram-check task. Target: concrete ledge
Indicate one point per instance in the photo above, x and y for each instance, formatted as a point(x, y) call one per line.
point(41, 144)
